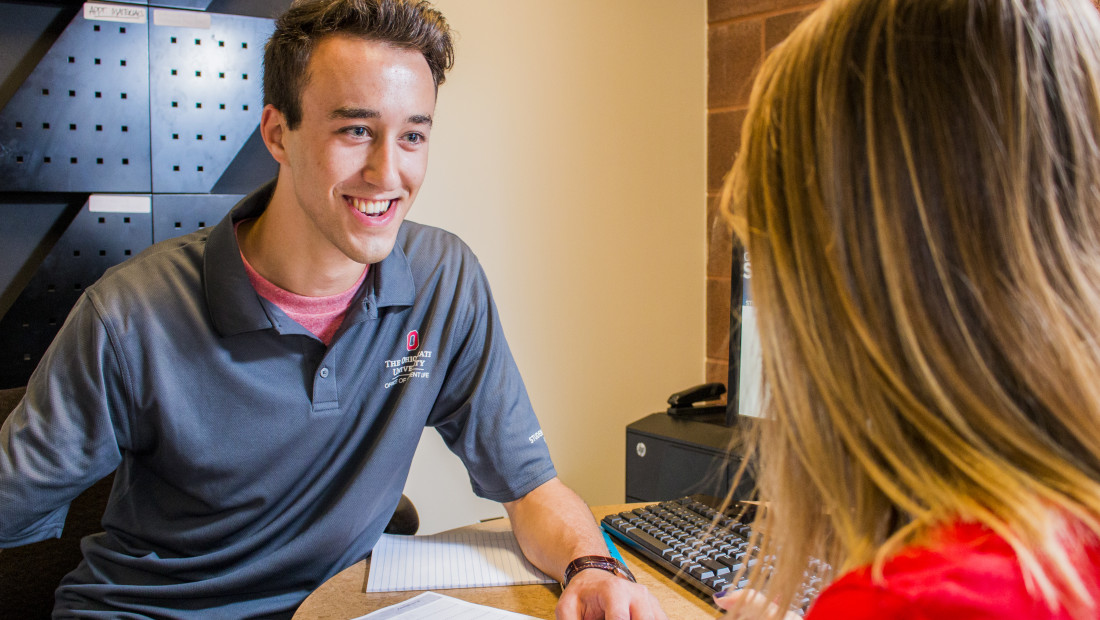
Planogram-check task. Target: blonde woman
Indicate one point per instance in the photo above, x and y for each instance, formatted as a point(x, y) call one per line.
point(918, 186)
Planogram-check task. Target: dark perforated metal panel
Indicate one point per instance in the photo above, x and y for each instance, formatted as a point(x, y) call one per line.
point(80, 123)
point(207, 94)
point(93, 242)
point(79, 97)
point(179, 214)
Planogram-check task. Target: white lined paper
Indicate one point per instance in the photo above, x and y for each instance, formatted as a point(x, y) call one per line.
point(456, 559)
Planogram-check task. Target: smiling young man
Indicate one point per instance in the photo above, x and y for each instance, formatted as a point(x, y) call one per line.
point(261, 386)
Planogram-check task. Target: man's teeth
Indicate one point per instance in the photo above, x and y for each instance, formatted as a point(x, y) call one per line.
point(370, 207)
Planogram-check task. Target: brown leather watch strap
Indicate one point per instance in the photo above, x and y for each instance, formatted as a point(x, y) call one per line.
point(601, 562)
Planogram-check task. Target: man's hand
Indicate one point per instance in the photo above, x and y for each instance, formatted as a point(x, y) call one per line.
point(593, 594)
point(554, 527)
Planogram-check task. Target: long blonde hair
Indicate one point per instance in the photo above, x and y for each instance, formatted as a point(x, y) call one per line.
point(918, 187)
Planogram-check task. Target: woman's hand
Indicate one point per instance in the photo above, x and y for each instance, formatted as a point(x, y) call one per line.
point(750, 604)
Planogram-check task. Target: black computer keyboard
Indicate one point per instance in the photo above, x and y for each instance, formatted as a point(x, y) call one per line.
point(695, 542)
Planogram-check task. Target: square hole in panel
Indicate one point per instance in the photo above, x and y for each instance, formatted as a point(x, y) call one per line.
point(72, 93)
point(99, 160)
point(99, 127)
point(198, 137)
point(98, 95)
point(175, 168)
point(174, 72)
point(125, 161)
point(175, 136)
point(45, 91)
point(18, 124)
point(97, 61)
point(45, 160)
point(125, 128)
point(122, 63)
point(96, 27)
point(72, 59)
point(72, 160)
point(45, 125)
point(18, 159)
point(123, 95)
point(198, 168)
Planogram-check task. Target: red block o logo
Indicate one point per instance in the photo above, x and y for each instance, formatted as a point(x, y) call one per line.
point(412, 341)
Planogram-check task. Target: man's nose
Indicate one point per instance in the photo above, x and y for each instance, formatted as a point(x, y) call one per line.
point(382, 167)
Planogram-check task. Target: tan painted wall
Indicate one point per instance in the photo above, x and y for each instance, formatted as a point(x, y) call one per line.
point(569, 152)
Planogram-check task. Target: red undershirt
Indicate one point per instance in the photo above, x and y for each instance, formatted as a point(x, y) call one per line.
point(322, 316)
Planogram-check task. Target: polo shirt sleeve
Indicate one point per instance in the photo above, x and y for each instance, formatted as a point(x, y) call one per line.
point(483, 412)
point(63, 436)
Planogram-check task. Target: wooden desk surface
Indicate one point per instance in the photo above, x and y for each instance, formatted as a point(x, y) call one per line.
point(343, 596)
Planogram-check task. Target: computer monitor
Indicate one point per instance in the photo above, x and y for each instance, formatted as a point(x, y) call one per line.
point(744, 386)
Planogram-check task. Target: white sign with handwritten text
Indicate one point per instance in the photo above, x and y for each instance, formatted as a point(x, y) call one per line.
point(115, 13)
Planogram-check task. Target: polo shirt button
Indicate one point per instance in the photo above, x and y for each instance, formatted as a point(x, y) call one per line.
point(324, 373)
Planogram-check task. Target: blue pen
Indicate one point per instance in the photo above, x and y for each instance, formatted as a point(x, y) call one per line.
point(611, 547)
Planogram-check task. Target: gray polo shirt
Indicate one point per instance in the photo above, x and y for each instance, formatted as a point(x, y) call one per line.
point(253, 461)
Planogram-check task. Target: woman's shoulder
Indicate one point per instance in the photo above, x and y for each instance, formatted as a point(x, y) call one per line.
point(962, 570)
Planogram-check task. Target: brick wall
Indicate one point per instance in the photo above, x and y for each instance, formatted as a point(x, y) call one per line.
point(738, 34)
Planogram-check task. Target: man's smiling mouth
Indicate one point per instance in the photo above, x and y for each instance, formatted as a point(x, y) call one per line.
point(369, 207)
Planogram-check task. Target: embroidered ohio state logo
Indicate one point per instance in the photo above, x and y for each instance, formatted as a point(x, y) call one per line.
point(415, 365)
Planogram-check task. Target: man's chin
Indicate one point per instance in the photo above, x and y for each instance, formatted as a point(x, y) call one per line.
point(374, 252)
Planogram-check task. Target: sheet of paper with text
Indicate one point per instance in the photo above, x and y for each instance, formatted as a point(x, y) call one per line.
point(431, 605)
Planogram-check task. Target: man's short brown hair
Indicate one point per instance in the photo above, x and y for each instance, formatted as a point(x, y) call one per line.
point(409, 24)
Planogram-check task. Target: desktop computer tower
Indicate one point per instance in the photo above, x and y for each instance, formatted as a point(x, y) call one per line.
point(670, 456)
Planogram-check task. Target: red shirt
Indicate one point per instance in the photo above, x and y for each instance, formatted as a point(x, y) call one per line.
point(969, 573)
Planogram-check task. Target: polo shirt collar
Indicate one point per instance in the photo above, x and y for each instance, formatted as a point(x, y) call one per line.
point(234, 305)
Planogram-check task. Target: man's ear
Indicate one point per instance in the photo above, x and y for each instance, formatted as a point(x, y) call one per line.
point(273, 129)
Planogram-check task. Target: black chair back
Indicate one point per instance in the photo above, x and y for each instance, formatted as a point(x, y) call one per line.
point(30, 574)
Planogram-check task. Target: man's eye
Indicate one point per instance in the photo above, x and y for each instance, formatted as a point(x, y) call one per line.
point(415, 138)
point(356, 132)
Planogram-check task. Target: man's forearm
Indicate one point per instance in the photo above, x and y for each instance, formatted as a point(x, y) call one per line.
point(554, 526)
